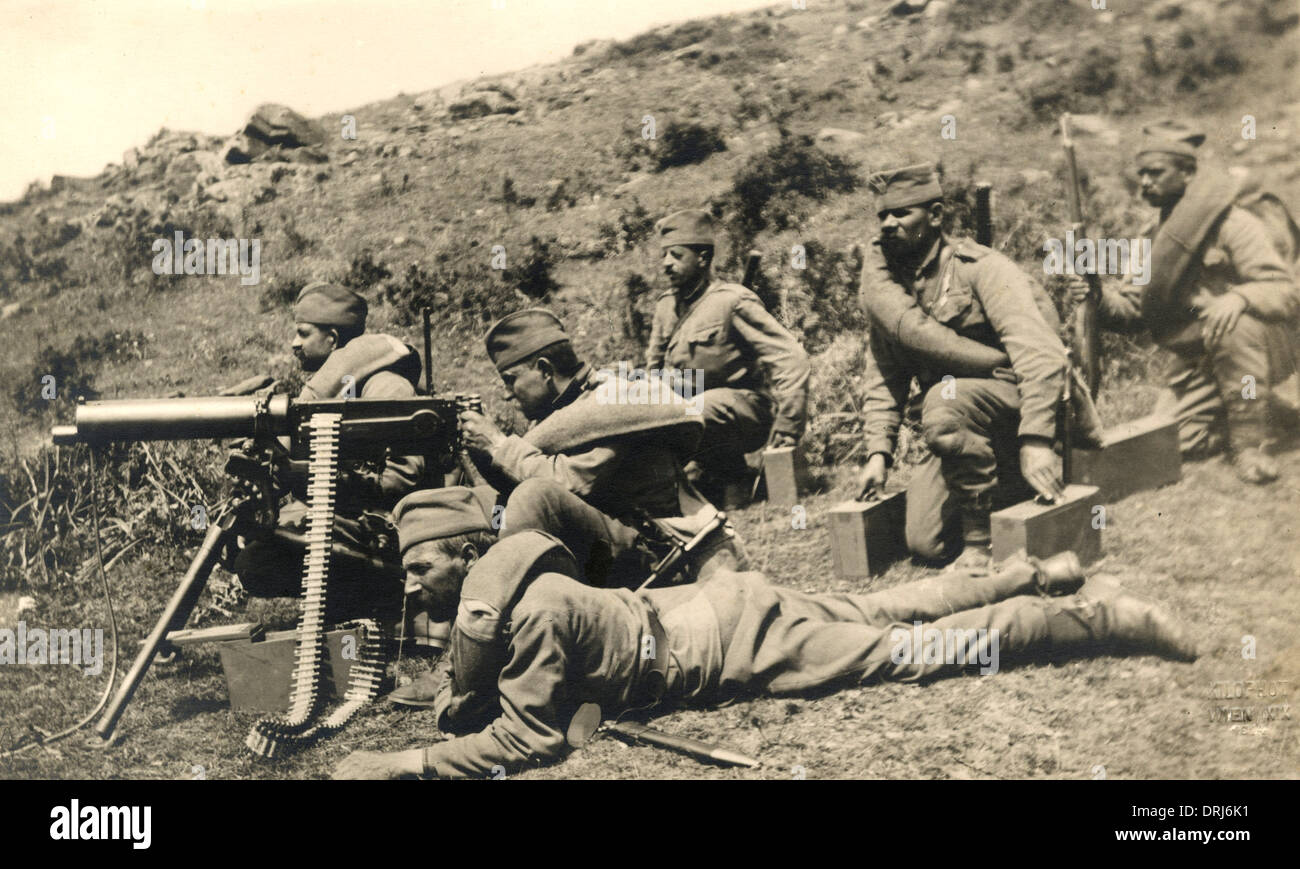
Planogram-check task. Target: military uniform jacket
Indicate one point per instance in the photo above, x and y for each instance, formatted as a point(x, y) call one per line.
point(380, 366)
point(979, 294)
point(1237, 256)
point(531, 644)
point(616, 477)
point(728, 334)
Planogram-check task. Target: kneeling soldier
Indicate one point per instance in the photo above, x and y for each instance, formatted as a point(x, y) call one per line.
point(1221, 299)
point(531, 644)
point(988, 436)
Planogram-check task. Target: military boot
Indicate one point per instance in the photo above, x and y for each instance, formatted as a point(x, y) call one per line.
point(1104, 619)
point(1255, 466)
point(976, 552)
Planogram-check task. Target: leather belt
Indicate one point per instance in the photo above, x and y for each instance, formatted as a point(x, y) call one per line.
point(654, 678)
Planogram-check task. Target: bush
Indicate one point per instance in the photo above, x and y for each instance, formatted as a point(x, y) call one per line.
point(281, 290)
point(771, 191)
point(682, 143)
point(633, 226)
point(662, 39)
point(364, 273)
point(74, 370)
point(533, 276)
point(465, 299)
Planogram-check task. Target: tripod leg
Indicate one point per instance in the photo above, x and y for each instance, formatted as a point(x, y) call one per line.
point(173, 617)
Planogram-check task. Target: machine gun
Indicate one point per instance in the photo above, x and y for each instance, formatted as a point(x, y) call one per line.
point(320, 430)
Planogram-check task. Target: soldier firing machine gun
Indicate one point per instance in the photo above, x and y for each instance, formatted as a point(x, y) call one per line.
point(320, 431)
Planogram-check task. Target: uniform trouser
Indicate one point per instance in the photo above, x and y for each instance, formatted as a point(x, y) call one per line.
point(602, 546)
point(1228, 396)
point(736, 421)
point(782, 640)
point(273, 567)
point(974, 462)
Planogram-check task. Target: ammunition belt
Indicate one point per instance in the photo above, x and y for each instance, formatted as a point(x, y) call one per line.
point(295, 728)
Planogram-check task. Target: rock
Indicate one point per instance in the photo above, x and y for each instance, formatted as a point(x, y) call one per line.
point(240, 149)
point(837, 136)
point(274, 124)
point(840, 30)
point(12, 309)
point(398, 241)
point(936, 10)
point(867, 23)
point(26, 603)
point(909, 7)
point(689, 52)
point(130, 158)
point(405, 152)
point(1035, 177)
point(349, 158)
point(481, 103)
point(972, 83)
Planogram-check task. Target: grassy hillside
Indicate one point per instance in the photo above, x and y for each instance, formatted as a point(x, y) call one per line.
point(773, 119)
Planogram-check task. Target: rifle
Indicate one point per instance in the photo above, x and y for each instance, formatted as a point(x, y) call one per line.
point(426, 425)
point(1084, 323)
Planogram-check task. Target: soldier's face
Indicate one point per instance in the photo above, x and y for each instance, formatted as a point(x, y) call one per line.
point(683, 266)
point(313, 344)
point(1161, 181)
point(909, 231)
point(529, 385)
point(434, 578)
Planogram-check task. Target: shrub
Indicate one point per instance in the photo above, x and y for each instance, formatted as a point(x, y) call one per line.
point(770, 191)
point(532, 276)
point(73, 369)
point(364, 273)
point(282, 290)
point(682, 143)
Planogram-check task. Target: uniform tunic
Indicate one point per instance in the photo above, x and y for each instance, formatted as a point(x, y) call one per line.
point(531, 665)
point(971, 425)
point(1207, 384)
point(755, 372)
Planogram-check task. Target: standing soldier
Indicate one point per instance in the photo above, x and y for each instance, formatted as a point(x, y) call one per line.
point(722, 330)
point(987, 435)
point(1221, 299)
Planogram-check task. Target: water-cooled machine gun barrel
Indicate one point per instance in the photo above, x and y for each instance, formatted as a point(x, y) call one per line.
point(421, 424)
point(426, 425)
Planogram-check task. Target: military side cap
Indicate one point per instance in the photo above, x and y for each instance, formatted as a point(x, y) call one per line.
point(910, 185)
point(327, 304)
point(1170, 137)
point(519, 335)
point(434, 514)
point(691, 226)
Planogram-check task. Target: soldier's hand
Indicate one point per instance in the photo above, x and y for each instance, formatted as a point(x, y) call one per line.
point(782, 440)
point(1221, 317)
point(1076, 287)
point(380, 765)
point(479, 432)
point(871, 483)
point(1041, 469)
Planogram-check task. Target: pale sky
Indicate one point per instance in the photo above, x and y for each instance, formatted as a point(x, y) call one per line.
point(84, 80)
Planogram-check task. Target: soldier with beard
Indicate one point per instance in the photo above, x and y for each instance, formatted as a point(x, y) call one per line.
point(990, 436)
